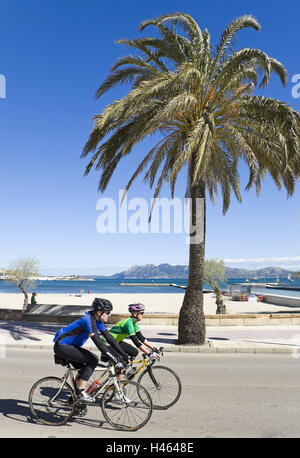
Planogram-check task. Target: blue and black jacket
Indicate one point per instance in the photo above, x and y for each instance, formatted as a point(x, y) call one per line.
point(78, 332)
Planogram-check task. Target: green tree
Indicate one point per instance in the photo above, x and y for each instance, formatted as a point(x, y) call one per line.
point(214, 275)
point(201, 100)
point(21, 273)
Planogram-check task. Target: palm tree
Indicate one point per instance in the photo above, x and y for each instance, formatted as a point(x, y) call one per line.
point(201, 101)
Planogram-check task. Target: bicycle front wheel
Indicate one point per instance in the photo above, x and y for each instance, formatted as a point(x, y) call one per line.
point(129, 410)
point(163, 385)
point(50, 403)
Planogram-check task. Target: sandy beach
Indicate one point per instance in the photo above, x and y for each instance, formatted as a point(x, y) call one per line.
point(155, 303)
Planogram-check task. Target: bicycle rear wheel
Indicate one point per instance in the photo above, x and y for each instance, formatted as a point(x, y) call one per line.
point(50, 403)
point(128, 414)
point(163, 385)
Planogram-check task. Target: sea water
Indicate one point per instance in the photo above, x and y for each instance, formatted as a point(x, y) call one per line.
point(113, 285)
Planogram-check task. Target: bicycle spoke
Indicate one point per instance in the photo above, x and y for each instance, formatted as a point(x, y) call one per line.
point(51, 403)
point(163, 385)
point(127, 415)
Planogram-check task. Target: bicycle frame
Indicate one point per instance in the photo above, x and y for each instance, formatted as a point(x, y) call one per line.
point(67, 374)
point(107, 381)
point(145, 364)
point(105, 369)
point(111, 379)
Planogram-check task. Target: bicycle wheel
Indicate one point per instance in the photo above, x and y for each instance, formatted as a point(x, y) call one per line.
point(49, 402)
point(128, 414)
point(163, 385)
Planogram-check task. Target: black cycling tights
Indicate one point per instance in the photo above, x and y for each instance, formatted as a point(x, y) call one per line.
point(126, 347)
point(80, 358)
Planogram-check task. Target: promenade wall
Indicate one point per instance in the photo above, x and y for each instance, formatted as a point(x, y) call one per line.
point(283, 319)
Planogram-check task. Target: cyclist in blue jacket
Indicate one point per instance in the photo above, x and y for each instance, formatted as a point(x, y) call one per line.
point(69, 341)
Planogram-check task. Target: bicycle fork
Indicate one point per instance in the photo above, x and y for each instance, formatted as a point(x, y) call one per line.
point(155, 382)
point(119, 390)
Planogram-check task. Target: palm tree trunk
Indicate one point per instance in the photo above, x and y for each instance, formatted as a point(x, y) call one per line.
point(191, 325)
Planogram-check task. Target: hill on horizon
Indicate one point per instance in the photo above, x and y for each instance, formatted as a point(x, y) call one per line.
point(151, 271)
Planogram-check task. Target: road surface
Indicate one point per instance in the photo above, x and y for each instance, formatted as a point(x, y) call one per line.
point(223, 396)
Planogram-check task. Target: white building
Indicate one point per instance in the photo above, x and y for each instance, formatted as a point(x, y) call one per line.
point(2, 274)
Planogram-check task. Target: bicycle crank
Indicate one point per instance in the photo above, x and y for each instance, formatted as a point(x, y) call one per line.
point(79, 408)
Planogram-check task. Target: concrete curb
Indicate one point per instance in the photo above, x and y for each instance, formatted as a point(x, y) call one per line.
point(205, 349)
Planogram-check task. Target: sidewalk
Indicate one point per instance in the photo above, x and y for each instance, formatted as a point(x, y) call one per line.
point(227, 339)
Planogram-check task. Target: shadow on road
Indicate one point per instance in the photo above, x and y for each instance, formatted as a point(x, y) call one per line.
point(16, 409)
point(19, 410)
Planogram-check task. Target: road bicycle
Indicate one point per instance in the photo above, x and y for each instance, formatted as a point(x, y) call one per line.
point(161, 382)
point(126, 405)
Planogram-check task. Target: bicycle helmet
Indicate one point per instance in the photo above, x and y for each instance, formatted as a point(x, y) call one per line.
point(136, 308)
point(102, 305)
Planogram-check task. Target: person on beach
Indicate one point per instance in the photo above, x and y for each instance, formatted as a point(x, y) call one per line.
point(129, 328)
point(70, 339)
point(33, 300)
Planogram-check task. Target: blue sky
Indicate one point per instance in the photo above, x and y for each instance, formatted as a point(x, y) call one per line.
point(53, 55)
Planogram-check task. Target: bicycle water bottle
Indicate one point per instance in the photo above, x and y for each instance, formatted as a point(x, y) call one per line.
point(131, 373)
point(93, 386)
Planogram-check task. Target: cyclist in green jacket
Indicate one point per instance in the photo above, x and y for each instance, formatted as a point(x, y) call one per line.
point(129, 328)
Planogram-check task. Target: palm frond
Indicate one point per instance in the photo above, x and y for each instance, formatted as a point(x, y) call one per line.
point(188, 24)
point(231, 30)
point(202, 103)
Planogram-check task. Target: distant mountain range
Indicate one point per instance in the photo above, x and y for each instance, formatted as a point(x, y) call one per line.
point(150, 271)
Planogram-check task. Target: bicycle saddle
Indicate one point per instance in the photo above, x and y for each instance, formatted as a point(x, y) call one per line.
point(64, 362)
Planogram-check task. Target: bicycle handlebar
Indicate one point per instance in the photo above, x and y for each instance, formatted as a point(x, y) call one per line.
point(160, 351)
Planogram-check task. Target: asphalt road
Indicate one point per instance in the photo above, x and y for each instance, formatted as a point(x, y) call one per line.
point(223, 396)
